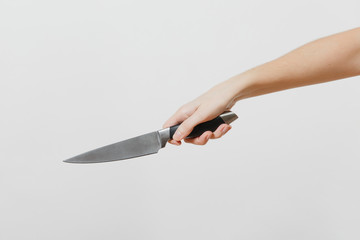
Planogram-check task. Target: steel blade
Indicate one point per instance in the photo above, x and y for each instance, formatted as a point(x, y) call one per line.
point(135, 147)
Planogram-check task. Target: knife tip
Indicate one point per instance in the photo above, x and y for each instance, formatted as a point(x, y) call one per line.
point(70, 160)
point(76, 161)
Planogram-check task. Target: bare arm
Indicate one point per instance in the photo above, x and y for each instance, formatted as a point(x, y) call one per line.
point(327, 59)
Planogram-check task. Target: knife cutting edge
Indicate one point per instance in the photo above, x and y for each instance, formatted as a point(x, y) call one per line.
point(146, 144)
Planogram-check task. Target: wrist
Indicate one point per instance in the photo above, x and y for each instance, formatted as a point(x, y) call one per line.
point(242, 85)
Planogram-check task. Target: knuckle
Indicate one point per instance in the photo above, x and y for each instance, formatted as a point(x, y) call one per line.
point(199, 116)
point(185, 127)
point(217, 135)
point(184, 110)
point(181, 128)
point(201, 142)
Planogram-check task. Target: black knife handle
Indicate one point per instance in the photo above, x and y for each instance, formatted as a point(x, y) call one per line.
point(226, 117)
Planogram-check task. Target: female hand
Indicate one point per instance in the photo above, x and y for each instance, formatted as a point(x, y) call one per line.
point(204, 108)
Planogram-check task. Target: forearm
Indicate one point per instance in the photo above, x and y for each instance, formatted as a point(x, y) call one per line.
point(327, 59)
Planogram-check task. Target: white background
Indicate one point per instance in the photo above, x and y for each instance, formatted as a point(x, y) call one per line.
point(76, 75)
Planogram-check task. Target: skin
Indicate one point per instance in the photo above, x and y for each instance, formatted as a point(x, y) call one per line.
point(326, 59)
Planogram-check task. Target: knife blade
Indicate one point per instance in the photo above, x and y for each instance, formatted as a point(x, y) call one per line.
point(147, 144)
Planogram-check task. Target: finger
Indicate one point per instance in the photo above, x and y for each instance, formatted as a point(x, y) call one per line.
point(177, 143)
point(187, 126)
point(226, 130)
point(202, 140)
point(180, 115)
point(220, 131)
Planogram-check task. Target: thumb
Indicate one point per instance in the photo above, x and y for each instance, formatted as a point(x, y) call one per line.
point(188, 125)
point(181, 115)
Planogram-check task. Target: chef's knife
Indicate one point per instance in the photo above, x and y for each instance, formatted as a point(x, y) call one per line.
point(148, 143)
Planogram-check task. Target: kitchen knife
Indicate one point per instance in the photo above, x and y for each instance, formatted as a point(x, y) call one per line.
point(148, 143)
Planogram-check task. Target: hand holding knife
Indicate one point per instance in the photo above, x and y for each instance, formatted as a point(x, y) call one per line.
point(146, 144)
